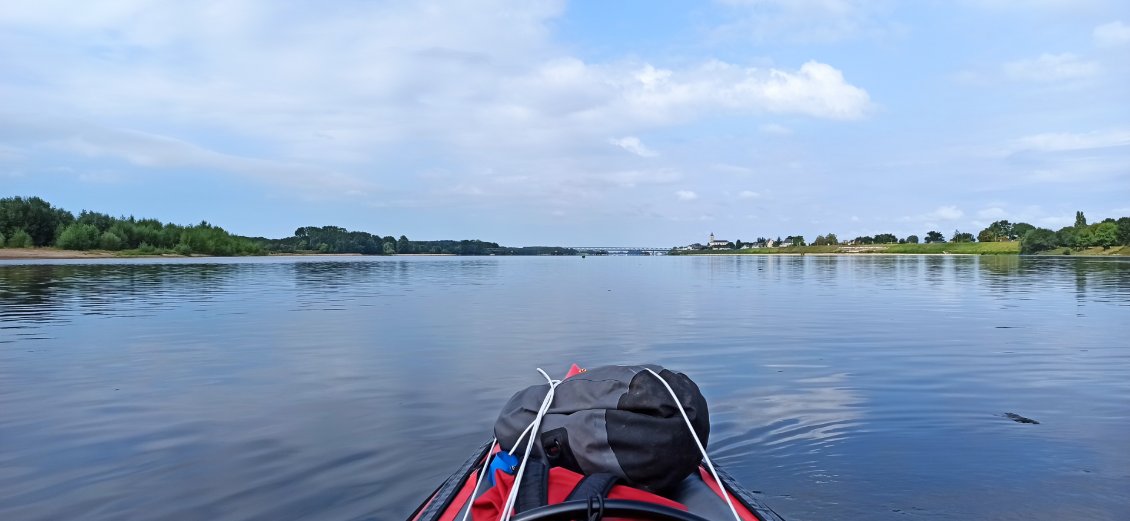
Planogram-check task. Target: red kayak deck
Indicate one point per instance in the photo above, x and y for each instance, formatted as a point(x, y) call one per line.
point(698, 494)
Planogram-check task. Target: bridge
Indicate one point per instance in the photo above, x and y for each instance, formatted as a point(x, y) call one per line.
point(623, 250)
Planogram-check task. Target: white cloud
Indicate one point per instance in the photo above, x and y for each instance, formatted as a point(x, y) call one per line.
point(992, 213)
point(1051, 68)
point(375, 93)
point(158, 151)
point(1065, 141)
point(8, 153)
point(731, 169)
point(1056, 221)
point(775, 129)
point(632, 144)
point(1112, 34)
point(945, 213)
point(807, 21)
point(620, 94)
point(101, 177)
point(686, 195)
point(748, 194)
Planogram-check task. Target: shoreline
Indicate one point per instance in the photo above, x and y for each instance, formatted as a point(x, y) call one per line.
point(48, 253)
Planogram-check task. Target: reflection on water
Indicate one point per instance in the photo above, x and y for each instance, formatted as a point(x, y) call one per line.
point(345, 388)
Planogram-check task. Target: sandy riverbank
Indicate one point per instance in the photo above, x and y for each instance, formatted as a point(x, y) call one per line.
point(54, 253)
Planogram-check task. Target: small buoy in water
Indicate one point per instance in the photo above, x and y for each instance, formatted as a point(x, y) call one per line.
point(582, 256)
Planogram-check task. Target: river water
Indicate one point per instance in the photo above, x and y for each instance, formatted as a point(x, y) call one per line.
point(850, 387)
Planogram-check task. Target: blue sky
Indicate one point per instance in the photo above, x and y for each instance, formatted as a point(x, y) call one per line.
point(647, 123)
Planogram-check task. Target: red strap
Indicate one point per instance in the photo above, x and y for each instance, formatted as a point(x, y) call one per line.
point(488, 507)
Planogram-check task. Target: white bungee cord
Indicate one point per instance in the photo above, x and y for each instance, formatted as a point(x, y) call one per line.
point(479, 482)
point(533, 429)
point(705, 458)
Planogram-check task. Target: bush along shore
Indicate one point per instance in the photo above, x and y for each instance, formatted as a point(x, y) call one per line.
point(32, 228)
point(1107, 237)
point(970, 248)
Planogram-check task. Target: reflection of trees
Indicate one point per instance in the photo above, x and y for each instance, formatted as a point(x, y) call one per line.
point(47, 292)
point(1096, 278)
point(333, 277)
point(1101, 279)
point(27, 293)
point(935, 272)
point(319, 282)
point(824, 269)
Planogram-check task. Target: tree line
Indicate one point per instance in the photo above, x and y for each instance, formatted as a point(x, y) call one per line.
point(335, 239)
point(1106, 233)
point(33, 222)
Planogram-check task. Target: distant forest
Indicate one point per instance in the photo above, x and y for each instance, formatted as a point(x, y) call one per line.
point(33, 222)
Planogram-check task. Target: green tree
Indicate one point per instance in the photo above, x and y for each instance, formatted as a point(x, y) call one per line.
point(100, 221)
point(1104, 234)
point(403, 245)
point(885, 238)
point(20, 239)
point(1067, 236)
point(389, 248)
point(999, 231)
point(36, 217)
point(1038, 239)
point(934, 236)
point(826, 240)
point(1084, 238)
point(78, 237)
point(1123, 224)
point(912, 239)
point(1, 240)
point(1080, 220)
point(962, 237)
point(1019, 230)
point(110, 241)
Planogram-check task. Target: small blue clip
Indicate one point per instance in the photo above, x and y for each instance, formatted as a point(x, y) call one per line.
point(503, 461)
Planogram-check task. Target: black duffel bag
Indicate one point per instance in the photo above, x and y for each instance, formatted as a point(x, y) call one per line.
point(613, 419)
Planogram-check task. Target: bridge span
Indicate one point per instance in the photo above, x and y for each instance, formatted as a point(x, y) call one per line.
point(624, 250)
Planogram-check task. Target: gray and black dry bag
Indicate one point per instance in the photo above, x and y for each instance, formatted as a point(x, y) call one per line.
point(614, 419)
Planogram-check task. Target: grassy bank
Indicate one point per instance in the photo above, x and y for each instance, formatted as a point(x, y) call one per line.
point(969, 248)
point(1116, 251)
point(964, 248)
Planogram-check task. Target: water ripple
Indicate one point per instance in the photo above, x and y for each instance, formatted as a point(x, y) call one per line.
point(345, 388)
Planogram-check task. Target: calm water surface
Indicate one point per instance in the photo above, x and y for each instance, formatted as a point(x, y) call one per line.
point(347, 388)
